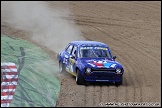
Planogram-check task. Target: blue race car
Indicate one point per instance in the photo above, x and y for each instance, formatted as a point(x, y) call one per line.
point(90, 61)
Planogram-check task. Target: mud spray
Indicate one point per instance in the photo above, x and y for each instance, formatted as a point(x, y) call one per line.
point(47, 26)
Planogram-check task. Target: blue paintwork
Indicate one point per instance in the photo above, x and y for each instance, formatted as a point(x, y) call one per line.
point(96, 63)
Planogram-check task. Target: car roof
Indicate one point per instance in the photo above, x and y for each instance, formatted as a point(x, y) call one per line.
point(88, 43)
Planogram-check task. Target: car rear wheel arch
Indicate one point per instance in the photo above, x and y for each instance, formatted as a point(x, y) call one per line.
point(61, 67)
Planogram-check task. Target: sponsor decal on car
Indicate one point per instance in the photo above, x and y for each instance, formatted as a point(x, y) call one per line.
point(100, 63)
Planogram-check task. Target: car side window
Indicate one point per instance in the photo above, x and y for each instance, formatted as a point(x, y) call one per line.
point(74, 52)
point(69, 48)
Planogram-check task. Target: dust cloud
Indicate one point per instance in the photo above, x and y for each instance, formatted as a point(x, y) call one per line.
point(47, 26)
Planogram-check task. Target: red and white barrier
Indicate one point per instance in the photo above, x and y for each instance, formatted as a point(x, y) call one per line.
point(9, 82)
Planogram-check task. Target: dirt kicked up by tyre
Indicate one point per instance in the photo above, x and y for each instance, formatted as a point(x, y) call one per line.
point(90, 61)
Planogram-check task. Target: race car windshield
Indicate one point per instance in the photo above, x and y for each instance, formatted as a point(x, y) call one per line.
point(94, 52)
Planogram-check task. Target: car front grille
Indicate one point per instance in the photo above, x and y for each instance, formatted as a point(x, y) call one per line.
point(102, 70)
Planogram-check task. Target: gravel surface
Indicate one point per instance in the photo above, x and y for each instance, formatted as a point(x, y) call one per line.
point(133, 32)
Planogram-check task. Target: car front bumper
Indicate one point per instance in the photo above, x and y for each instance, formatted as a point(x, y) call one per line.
point(103, 77)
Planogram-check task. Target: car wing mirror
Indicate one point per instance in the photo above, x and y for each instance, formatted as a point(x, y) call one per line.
point(72, 57)
point(114, 57)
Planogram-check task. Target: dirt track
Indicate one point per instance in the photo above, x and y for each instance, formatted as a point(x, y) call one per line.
point(133, 32)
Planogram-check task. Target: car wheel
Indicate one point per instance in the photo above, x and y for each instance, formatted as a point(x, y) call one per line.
point(119, 83)
point(61, 68)
point(79, 78)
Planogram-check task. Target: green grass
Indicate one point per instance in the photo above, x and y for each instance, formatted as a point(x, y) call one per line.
point(38, 85)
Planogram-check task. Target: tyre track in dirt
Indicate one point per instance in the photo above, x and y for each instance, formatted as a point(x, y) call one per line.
point(120, 94)
point(97, 96)
point(136, 83)
point(142, 80)
point(89, 93)
point(145, 81)
point(121, 91)
point(140, 93)
point(138, 48)
point(128, 82)
point(137, 90)
point(132, 31)
point(142, 52)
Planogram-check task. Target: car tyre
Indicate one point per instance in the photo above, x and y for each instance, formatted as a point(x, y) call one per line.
point(61, 68)
point(119, 83)
point(79, 78)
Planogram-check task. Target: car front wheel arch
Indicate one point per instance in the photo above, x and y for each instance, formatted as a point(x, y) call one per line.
point(119, 83)
point(79, 78)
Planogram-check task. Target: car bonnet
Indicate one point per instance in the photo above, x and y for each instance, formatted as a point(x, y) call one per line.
point(100, 63)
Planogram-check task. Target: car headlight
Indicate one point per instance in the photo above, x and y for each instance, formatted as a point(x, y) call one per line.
point(88, 70)
point(118, 70)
